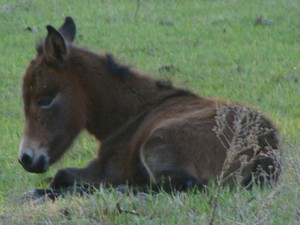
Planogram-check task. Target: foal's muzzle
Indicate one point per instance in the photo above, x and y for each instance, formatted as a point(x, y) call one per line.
point(39, 165)
point(32, 157)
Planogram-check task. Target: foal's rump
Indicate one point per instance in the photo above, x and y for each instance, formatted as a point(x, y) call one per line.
point(199, 141)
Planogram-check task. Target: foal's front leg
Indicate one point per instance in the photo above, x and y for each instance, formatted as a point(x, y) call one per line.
point(78, 181)
point(87, 176)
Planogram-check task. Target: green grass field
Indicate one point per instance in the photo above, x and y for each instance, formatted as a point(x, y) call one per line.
point(244, 50)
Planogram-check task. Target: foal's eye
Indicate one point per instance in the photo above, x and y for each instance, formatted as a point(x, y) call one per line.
point(45, 101)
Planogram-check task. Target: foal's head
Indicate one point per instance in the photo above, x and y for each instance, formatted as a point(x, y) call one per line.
point(52, 101)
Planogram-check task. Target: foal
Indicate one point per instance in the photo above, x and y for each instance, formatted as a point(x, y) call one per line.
point(150, 132)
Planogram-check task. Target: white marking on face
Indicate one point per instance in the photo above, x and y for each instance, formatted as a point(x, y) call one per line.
point(33, 149)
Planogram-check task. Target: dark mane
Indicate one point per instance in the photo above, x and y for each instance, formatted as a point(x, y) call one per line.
point(121, 71)
point(124, 72)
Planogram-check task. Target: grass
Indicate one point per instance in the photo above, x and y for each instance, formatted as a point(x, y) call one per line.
point(211, 47)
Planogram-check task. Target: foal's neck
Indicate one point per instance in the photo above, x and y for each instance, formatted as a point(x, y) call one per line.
point(115, 93)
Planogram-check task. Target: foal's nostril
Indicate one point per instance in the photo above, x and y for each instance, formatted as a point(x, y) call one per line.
point(26, 160)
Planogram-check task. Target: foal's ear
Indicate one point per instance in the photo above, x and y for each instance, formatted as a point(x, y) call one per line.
point(55, 46)
point(68, 29)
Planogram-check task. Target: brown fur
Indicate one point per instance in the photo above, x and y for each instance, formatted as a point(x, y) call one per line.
point(150, 131)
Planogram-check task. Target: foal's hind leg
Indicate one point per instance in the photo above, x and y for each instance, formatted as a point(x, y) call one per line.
point(266, 170)
point(262, 169)
point(165, 167)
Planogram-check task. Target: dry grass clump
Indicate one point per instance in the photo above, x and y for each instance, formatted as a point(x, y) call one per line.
point(246, 129)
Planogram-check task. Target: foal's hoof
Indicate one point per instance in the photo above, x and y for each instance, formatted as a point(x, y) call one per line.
point(31, 195)
point(39, 195)
point(63, 178)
